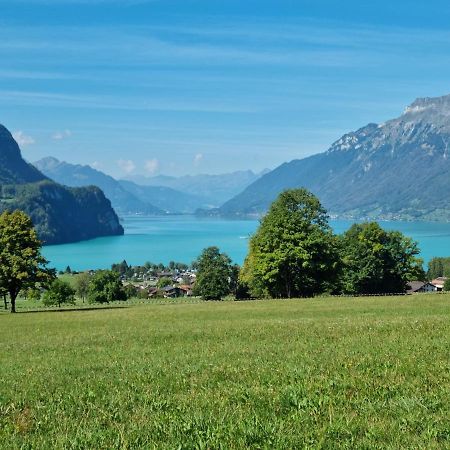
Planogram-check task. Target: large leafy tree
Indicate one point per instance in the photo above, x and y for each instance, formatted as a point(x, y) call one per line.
point(105, 286)
point(59, 292)
point(214, 274)
point(21, 264)
point(377, 261)
point(294, 252)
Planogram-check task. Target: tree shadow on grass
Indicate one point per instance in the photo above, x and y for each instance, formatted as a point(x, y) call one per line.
point(103, 308)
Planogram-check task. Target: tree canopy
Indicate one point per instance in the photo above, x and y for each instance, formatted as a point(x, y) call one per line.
point(214, 274)
point(438, 267)
point(21, 264)
point(105, 286)
point(59, 292)
point(293, 253)
point(378, 261)
point(447, 284)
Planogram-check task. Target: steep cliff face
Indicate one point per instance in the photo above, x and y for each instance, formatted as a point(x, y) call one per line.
point(396, 170)
point(60, 214)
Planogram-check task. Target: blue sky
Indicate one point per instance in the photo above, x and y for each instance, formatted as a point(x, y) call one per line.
point(187, 86)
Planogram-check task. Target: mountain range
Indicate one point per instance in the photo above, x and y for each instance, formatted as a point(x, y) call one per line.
point(126, 196)
point(212, 189)
point(155, 195)
point(60, 214)
point(166, 198)
point(76, 175)
point(399, 169)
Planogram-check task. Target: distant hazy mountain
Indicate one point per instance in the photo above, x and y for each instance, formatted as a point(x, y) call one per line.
point(76, 175)
point(213, 189)
point(165, 198)
point(126, 197)
point(60, 214)
point(397, 170)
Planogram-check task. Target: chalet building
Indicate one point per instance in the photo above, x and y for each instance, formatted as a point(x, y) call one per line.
point(439, 283)
point(153, 292)
point(177, 291)
point(187, 289)
point(172, 292)
point(415, 287)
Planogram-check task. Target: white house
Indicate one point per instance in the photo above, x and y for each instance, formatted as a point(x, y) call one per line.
point(420, 286)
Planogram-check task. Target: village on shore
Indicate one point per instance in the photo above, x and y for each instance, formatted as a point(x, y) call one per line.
point(178, 280)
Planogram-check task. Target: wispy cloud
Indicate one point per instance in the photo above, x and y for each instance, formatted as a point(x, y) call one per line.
point(151, 166)
point(126, 103)
point(22, 139)
point(301, 43)
point(198, 159)
point(96, 165)
point(60, 135)
point(81, 2)
point(127, 165)
point(34, 75)
point(136, 45)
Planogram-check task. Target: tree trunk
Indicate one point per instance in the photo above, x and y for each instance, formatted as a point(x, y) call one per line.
point(13, 297)
point(5, 301)
point(288, 286)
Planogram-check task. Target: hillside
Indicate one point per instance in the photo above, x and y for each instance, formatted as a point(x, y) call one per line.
point(396, 170)
point(59, 214)
point(76, 175)
point(212, 189)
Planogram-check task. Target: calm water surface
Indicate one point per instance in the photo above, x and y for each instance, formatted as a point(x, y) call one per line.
point(182, 238)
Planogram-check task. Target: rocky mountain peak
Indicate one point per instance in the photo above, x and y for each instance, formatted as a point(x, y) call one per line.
point(47, 163)
point(13, 168)
point(434, 105)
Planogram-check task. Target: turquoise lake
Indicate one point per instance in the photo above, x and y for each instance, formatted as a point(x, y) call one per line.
point(182, 238)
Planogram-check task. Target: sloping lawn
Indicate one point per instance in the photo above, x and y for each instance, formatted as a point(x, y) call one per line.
point(325, 373)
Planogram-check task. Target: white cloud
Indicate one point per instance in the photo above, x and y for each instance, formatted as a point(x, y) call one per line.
point(198, 159)
point(22, 139)
point(59, 135)
point(151, 166)
point(127, 165)
point(96, 165)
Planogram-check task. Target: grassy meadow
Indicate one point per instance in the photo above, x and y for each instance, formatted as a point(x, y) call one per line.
point(323, 373)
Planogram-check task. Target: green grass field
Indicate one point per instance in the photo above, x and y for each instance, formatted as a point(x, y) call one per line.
point(324, 373)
